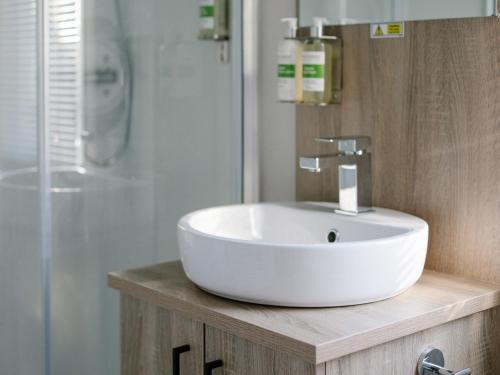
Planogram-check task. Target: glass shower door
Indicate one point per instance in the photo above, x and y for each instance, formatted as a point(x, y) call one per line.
point(121, 126)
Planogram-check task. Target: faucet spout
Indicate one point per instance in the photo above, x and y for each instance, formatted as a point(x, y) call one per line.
point(317, 163)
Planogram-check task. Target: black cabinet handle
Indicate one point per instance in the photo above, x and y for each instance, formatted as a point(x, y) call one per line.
point(176, 358)
point(212, 366)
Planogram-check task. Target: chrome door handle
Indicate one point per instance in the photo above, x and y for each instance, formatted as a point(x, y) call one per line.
point(431, 362)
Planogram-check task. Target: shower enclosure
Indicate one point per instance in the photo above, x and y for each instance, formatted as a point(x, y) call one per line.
point(115, 120)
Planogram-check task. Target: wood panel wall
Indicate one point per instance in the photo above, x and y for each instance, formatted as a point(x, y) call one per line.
point(431, 103)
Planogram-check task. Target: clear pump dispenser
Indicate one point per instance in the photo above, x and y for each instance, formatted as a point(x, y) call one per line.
point(290, 64)
point(322, 66)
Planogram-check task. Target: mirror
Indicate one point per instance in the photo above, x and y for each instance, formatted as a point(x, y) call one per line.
point(344, 12)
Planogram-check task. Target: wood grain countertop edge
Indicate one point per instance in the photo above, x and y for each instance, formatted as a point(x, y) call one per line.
point(218, 320)
point(312, 353)
point(368, 339)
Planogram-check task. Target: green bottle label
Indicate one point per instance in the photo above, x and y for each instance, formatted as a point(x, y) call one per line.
point(313, 71)
point(206, 11)
point(286, 71)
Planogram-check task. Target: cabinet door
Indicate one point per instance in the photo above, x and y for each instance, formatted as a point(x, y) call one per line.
point(148, 336)
point(242, 357)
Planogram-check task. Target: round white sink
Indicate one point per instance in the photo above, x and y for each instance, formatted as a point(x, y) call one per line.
point(281, 254)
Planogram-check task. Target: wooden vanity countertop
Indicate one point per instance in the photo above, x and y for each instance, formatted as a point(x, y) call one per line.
point(315, 334)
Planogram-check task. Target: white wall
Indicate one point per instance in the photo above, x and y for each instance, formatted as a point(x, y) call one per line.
point(276, 120)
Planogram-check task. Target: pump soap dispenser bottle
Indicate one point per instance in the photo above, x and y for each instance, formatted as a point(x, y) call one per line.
point(214, 19)
point(221, 16)
point(207, 19)
point(290, 64)
point(322, 69)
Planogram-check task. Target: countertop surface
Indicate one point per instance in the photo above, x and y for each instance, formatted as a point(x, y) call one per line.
point(315, 334)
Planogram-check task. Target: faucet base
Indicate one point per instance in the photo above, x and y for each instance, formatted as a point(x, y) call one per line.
point(361, 210)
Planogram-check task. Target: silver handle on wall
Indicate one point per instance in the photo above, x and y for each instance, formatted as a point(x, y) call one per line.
point(431, 362)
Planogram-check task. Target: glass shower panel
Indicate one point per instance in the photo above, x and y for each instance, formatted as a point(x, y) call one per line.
point(128, 126)
point(141, 132)
point(21, 309)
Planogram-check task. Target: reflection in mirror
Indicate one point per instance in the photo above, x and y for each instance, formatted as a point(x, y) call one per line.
point(342, 12)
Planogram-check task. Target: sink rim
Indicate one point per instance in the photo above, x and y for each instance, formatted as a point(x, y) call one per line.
point(418, 225)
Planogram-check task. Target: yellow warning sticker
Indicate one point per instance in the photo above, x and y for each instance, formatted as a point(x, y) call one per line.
point(387, 30)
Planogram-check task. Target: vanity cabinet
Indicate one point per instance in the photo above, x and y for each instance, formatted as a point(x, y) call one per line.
point(161, 310)
point(149, 334)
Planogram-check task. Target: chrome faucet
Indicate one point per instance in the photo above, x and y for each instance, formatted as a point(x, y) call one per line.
point(355, 174)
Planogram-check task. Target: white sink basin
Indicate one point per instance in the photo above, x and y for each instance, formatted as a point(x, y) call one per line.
point(279, 254)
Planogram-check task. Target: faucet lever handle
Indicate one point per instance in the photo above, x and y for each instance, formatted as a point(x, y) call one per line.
point(349, 145)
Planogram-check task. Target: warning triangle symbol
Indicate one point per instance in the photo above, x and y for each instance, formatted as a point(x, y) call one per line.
point(379, 31)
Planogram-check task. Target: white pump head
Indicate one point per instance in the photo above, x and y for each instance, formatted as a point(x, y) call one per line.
point(292, 25)
point(317, 27)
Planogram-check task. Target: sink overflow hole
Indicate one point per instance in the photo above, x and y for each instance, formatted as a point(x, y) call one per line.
point(333, 235)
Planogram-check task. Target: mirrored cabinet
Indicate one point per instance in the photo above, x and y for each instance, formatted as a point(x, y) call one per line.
point(344, 12)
